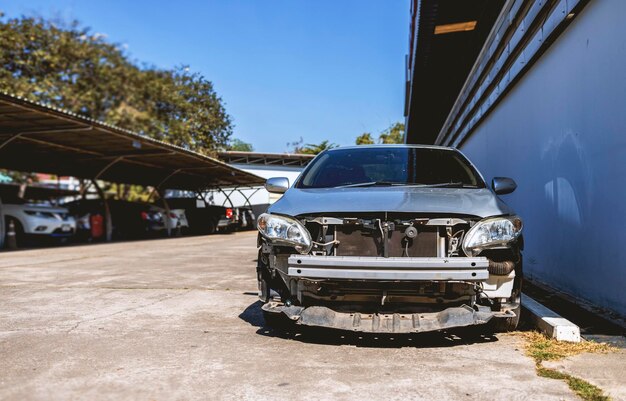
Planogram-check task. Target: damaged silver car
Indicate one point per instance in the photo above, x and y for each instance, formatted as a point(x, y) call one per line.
point(391, 239)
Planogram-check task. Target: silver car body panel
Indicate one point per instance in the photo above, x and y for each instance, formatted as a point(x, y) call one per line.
point(392, 269)
point(404, 199)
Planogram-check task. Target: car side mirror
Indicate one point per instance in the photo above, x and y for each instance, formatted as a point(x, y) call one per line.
point(503, 185)
point(277, 185)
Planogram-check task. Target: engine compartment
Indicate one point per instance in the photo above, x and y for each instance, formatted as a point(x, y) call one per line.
point(388, 234)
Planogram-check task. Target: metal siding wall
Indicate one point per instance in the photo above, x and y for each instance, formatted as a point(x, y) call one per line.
point(561, 134)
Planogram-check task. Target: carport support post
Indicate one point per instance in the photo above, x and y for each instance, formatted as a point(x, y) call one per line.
point(227, 197)
point(108, 222)
point(247, 198)
point(166, 206)
point(2, 233)
point(199, 196)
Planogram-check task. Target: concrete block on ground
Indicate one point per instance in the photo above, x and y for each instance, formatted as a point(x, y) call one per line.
point(549, 322)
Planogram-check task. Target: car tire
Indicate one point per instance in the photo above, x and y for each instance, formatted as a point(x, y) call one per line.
point(19, 231)
point(211, 227)
point(503, 325)
point(264, 286)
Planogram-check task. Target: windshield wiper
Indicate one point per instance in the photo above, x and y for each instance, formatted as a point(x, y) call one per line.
point(457, 184)
point(372, 184)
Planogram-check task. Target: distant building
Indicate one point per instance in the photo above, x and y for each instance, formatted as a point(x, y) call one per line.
point(266, 165)
point(68, 183)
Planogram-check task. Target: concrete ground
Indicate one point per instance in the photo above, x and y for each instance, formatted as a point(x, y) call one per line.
point(602, 370)
point(178, 319)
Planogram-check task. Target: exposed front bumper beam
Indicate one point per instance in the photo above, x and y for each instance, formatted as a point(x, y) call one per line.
point(394, 269)
point(320, 316)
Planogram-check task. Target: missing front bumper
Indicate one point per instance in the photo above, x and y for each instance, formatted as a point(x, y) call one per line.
point(320, 316)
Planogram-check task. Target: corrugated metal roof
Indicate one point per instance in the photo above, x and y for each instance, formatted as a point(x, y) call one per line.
point(34, 192)
point(274, 159)
point(439, 63)
point(36, 137)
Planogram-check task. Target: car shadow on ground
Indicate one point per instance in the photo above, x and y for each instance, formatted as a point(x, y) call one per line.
point(313, 335)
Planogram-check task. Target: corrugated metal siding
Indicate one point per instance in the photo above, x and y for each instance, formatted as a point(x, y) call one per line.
point(561, 133)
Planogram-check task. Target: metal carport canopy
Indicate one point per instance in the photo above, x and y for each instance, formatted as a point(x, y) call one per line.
point(38, 138)
point(34, 192)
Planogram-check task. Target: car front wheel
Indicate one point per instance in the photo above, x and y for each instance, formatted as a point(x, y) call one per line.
point(508, 323)
point(511, 323)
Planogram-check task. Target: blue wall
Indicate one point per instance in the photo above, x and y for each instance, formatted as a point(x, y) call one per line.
point(561, 134)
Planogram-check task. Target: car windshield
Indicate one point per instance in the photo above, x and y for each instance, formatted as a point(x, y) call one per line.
point(392, 166)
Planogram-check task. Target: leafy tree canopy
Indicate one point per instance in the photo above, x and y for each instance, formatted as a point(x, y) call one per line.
point(310, 148)
point(313, 149)
point(68, 66)
point(241, 146)
point(393, 134)
point(365, 139)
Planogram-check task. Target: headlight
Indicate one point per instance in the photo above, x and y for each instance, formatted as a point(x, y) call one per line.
point(285, 231)
point(492, 232)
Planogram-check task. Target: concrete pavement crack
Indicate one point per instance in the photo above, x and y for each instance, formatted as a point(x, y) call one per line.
point(122, 311)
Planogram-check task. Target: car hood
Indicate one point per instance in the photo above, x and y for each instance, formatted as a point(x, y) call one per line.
point(477, 202)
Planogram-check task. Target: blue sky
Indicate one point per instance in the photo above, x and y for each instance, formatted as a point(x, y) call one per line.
point(316, 69)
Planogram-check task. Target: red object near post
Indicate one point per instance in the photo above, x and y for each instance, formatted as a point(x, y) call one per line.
point(97, 226)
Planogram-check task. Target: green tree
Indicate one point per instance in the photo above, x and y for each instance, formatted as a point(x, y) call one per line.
point(310, 148)
point(393, 134)
point(313, 149)
point(240, 146)
point(70, 67)
point(365, 139)
point(295, 146)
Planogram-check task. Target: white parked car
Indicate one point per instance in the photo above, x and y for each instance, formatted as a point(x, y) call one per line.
point(33, 219)
point(176, 219)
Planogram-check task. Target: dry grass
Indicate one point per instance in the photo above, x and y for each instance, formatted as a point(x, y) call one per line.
point(542, 348)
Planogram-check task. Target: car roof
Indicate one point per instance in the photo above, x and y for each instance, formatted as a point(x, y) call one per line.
point(394, 145)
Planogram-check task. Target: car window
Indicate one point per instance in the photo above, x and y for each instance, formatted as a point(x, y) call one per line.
point(391, 166)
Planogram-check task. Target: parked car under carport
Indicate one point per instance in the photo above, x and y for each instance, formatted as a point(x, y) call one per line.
point(204, 218)
point(37, 220)
point(129, 219)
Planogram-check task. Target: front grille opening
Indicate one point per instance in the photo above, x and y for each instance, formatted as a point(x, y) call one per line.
point(363, 242)
point(381, 235)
